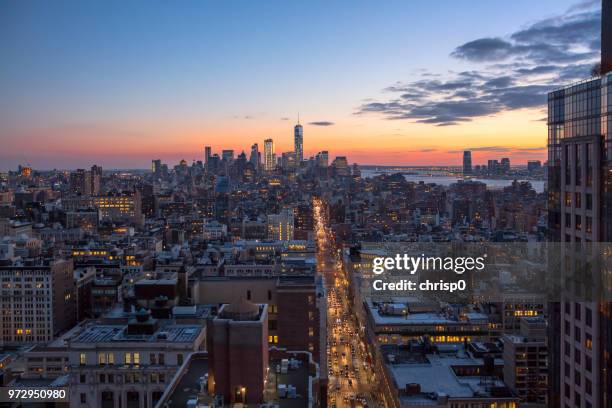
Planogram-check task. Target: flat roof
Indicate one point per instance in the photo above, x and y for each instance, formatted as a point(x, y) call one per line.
point(116, 333)
point(436, 376)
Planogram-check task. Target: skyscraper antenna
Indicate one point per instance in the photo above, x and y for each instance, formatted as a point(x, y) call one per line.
point(298, 118)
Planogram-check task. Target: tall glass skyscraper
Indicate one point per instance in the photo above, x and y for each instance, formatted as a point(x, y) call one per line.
point(269, 156)
point(298, 136)
point(580, 211)
point(467, 162)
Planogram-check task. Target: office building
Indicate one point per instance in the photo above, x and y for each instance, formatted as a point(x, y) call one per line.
point(467, 162)
point(269, 157)
point(227, 155)
point(504, 165)
point(125, 206)
point(80, 182)
point(207, 154)
point(121, 364)
point(323, 159)
point(237, 344)
point(298, 137)
point(281, 226)
point(341, 167)
point(38, 300)
point(526, 361)
point(255, 157)
point(289, 161)
point(533, 165)
point(580, 210)
point(156, 168)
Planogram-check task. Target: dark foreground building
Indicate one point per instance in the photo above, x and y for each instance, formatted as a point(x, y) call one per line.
point(580, 211)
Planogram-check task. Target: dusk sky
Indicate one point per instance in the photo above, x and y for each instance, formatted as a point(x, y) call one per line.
point(121, 83)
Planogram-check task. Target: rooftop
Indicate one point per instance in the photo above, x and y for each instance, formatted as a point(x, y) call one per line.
point(117, 333)
point(449, 372)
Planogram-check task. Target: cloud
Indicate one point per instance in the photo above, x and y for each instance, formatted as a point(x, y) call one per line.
point(284, 118)
point(514, 72)
point(501, 149)
point(321, 123)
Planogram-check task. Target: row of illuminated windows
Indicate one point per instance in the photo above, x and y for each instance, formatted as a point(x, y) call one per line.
point(128, 378)
point(129, 358)
point(577, 200)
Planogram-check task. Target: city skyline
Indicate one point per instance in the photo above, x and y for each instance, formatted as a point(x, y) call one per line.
point(77, 93)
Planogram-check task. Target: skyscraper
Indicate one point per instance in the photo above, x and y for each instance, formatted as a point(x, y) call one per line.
point(254, 157)
point(207, 154)
point(606, 37)
point(269, 158)
point(227, 155)
point(580, 211)
point(156, 168)
point(323, 158)
point(505, 165)
point(96, 178)
point(467, 162)
point(298, 136)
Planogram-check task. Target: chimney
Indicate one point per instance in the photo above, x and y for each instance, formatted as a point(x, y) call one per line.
point(606, 36)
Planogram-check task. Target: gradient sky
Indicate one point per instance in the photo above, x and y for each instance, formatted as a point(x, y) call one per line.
point(120, 83)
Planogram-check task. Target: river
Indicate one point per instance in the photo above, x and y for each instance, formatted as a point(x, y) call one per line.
point(538, 185)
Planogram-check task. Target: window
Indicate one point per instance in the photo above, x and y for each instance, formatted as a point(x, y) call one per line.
point(179, 359)
point(128, 358)
point(588, 363)
point(577, 311)
point(577, 356)
point(152, 359)
point(577, 377)
point(83, 398)
point(568, 199)
point(588, 341)
point(589, 224)
point(568, 220)
point(578, 165)
point(162, 359)
point(102, 378)
point(589, 316)
point(82, 359)
point(136, 358)
point(578, 200)
point(589, 201)
point(568, 175)
point(110, 358)
point(269, 295)
point(248, 295)
point(578, 222)
point(577, 334)
point(82, 379)
point(588, 386)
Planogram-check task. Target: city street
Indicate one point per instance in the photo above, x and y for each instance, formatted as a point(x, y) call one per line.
point(350, 377)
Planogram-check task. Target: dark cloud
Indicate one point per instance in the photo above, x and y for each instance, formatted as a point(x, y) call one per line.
point(516, 72)
point(321, 123)
point(484, 49)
